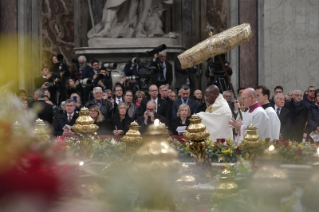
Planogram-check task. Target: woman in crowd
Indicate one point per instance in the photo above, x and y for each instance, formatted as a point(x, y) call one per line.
point(99, 119)
point(25, 103)
point(132, 109)
point(139, 95)
point(313, 114)
point(121, 120)
point(77, 100)
point(183, 114)
point(73, 86)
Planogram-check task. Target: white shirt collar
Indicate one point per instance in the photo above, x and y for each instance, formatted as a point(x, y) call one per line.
point(44, 77)
point(70, 115)
point(277, 107)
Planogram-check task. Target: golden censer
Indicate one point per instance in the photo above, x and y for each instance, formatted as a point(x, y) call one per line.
point(251, 144)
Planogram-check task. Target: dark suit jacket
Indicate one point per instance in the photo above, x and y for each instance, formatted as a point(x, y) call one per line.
point(159, 70)
point(298, 119)
point(313, 117)
point(191, 103)
point(61, 120)
point(284, 118)
point(46, 111)
point(202, 107)
point(178, 122)
point(162, 107)
point(143, 126)
point(87, 72)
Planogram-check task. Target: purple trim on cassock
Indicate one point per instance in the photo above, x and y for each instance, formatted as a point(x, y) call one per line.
point(254, 106)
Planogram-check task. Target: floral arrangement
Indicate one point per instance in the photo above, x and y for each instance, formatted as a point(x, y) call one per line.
point(184, 153)
point(241, 169)
point(107, 150)
point(223, 150)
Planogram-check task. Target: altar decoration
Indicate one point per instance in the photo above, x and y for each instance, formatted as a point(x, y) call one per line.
point(252, 145)
point(85, 129)
point(156, 169)
point(196, 135)
point(223, 150)
point(215, 45)
point(41, 130)
point(182, 149)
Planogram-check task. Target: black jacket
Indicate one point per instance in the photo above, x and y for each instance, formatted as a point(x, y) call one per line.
point(45, 110)
point(162, 107)
point(181, 76)
point(117, 124)
point(313, 117)
point(191, 103)
point(298, 119)
point(176, 123)
point(285, 122)
point(61, 120)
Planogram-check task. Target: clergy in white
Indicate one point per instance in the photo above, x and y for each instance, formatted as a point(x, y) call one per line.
point(274, 123)
point(256, 116)
point(217, 115)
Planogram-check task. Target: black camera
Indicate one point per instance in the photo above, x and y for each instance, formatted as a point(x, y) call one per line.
point(133, 77)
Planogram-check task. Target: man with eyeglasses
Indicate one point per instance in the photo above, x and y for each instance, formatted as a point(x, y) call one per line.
point(105, 106)
point(283, 115)
point(149, 116)
point(309, 98)
point(298, 116)
point(161, 104)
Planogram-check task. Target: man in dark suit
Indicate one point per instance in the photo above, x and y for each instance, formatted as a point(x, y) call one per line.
point(184, 76)
point(163, 75)
point(185, 92)
point(161, 104)
point(149, 116)
point(283, 114)
point(67, 118)
point(44, 110)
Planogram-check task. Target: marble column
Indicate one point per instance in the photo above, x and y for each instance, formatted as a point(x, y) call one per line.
point(248, 52)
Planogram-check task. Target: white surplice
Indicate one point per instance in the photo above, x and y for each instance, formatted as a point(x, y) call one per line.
point(216, 119)
point(273, 123)
point(259, 118)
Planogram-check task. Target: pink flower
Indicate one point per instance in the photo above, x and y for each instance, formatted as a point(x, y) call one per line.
point(299, 152)
point(238, 149)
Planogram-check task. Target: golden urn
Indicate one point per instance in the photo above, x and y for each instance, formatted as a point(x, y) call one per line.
point(196, 131)
point(84, 123)
point(41, 131)
point(226, 186)
point(156, 169)
point(251, 143)
point(133, 135)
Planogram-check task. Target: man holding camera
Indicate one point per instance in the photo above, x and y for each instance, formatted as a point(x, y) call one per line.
point(83, 70)
point(163, 73)
point(103, 79)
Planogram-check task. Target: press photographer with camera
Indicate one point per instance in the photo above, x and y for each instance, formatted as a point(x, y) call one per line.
point(60, 73)
point(83, 70)
point(103, 79)
point(216, 74)
point(45, 81)
point(164, 72)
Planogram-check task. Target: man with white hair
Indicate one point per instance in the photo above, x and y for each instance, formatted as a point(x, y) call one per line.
point(164, 71)
point(256, 116)
point(84, 70)
point(104, 105)
point(283, 115)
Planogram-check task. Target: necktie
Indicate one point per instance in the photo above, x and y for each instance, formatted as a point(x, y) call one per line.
point(119, 101)
point(70, 118)
point(278, 111)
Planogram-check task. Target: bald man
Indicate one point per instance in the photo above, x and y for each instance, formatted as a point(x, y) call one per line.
point(256, 116)
point(217, 114)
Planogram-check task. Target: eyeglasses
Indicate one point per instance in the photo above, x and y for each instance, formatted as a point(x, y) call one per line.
point(93, 111)
point(311, 90)
point(150, 109)
point(298, 95)
point(153, 90)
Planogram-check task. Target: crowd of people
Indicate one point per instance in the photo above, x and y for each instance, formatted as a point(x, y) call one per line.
point(60, 94)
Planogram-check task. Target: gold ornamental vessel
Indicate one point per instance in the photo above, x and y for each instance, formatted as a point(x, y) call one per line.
point(251, 144)
point(196, 131)
point(85, 129)
point(41, 131)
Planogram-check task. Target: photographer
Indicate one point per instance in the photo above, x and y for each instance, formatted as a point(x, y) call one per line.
point(103, 79)
point(42, 82)
point(83, 70)
point(60, 73)
point(217, 75)
point(163, 74)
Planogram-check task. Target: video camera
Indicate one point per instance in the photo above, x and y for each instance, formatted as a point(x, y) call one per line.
point(216, 67)
point(109, 65)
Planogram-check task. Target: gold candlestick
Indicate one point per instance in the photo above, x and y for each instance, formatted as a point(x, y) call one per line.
point(41, 131)
point(85, 129)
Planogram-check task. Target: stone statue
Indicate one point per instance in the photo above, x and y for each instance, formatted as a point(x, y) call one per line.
point(131, 18)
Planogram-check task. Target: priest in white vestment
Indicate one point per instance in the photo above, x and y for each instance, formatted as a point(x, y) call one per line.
point(256, 116)
point(274, 123)
point(217, 115)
